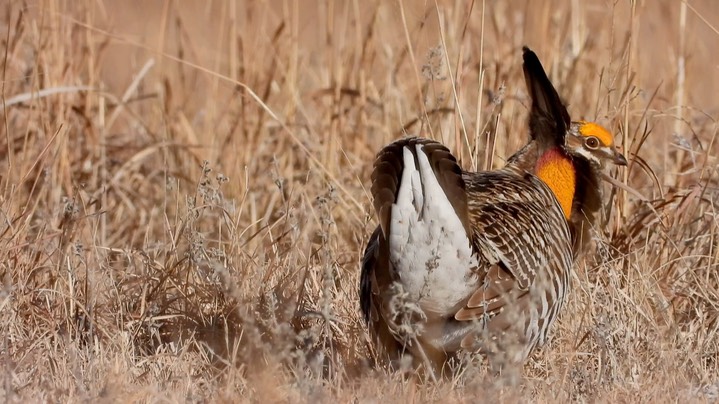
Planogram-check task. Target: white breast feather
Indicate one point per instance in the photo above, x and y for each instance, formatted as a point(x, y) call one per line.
point(429, 247)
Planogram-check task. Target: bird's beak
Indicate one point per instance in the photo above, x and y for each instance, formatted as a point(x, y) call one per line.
point(619, 159)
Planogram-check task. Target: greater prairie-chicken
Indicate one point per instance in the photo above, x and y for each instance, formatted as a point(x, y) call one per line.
point(480, 261)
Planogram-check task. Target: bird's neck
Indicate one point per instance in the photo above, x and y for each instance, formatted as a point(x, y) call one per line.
point(556, 169)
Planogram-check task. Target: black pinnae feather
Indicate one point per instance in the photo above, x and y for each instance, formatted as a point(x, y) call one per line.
point(548, 119)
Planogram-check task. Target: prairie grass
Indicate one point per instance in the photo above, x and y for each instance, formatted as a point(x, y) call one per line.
point(184, 191)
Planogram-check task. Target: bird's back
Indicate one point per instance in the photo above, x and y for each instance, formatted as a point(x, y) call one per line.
point(460, 260)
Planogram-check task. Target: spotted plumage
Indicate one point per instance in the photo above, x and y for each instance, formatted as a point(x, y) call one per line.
point(476, 261)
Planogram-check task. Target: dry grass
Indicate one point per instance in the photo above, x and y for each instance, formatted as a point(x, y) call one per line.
point(184, 198)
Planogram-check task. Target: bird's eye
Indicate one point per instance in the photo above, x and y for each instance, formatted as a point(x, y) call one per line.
point(592, 142)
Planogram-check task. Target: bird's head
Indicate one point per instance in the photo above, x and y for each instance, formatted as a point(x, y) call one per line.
point(594, 143)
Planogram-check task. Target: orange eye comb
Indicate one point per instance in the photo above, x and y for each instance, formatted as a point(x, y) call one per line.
point(596, 130)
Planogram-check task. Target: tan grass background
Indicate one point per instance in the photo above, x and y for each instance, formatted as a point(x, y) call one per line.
point(184, 202)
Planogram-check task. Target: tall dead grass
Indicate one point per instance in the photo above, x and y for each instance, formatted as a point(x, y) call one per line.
point(184, 202)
